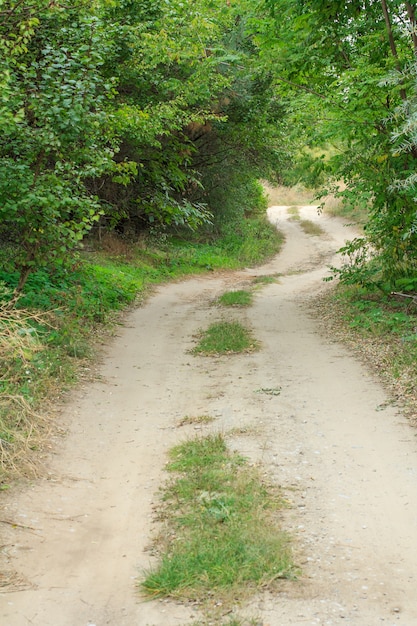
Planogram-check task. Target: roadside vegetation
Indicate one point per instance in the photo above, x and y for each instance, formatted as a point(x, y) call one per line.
point(220, 539)
point(49, 337)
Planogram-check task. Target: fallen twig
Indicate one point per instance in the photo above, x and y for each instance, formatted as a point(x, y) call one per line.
point(399, 294)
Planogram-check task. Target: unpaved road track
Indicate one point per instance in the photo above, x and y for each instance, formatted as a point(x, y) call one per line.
point(346, 459)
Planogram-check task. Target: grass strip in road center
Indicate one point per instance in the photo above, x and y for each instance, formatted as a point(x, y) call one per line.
point(220, 535)
point(238, 298)
point(225, 338)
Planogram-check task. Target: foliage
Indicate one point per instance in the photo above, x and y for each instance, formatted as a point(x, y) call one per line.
point(192, 116)
point(349, 70)
point(52, 125)
point(220, 513)
point(132, 114)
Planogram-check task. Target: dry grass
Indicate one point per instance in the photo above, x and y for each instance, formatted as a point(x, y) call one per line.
point(12, 581)
point(22, 429)
point(18, 338)
point(115, 246)
point(311, 228)
point(294, 197)
point(195, 420)
point(332, 205)
point(288, 196)
point(23, 432)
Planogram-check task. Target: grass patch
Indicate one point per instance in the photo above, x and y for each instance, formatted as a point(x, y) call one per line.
point(270, 391)
point(294, 213)
point(308, 226)
point(311, 228)
point(225, 338)
point(238, 298)
point(266, 280)
point(221, 536)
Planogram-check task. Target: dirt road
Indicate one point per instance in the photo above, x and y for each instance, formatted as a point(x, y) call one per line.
point(346, 459)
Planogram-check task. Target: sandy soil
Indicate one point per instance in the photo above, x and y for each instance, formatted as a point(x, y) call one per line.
point(343, 455)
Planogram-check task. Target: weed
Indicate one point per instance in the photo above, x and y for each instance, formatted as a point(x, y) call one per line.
point(239, 298)
point(266, 280)
point(274, 391)
point(221, 531)
point(225, 338)
point(195, 419)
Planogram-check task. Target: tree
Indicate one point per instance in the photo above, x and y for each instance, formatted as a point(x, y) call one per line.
point(52, 124)
point(191, 110)
point(350, 70)
point(145, 112)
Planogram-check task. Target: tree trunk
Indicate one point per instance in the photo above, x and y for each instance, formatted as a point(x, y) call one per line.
point(392, 43)
point(24, 273)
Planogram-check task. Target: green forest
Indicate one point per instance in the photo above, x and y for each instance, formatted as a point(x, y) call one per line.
point(136, 116)
point(135, 138)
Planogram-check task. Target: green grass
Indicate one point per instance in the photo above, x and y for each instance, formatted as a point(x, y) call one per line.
point(252, 241)
point(238, 298)
point(225, 338)
point(221, 536)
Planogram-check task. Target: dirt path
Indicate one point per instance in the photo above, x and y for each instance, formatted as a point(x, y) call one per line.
point(346, 459)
